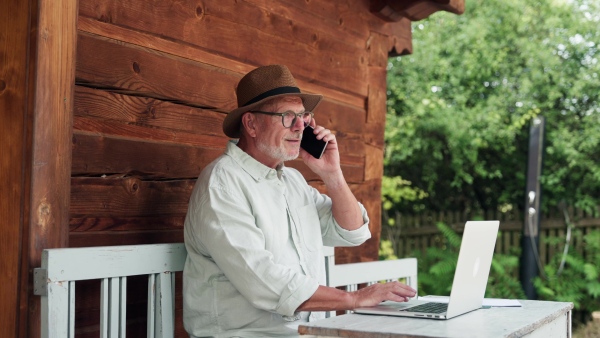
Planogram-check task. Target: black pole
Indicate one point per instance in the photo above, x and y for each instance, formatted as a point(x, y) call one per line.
point(531, 226)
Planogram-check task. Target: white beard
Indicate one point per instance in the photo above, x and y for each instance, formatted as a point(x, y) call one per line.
point(275, 152)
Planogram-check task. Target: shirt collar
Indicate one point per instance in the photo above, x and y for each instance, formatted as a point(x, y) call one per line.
point(250, 165)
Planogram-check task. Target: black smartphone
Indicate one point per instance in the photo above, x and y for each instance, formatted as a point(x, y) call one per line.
point(311, 144)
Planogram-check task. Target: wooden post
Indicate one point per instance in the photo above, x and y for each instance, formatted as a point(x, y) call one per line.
point(15, 27)
point(54, 37)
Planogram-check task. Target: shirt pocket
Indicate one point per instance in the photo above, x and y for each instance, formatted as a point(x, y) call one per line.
point(310, 227)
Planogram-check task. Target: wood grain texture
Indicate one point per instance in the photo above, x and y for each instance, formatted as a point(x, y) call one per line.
point(145, 111)
point(128, 197)
point(15, 164)
point(197, 54)
point(111, 64)
point(95, 155)
point(243, 32)
point(55, 39)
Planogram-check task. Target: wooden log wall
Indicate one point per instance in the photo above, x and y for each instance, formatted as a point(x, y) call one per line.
point(154, 80)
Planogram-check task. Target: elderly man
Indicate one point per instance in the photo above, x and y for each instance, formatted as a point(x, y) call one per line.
point(255, 229)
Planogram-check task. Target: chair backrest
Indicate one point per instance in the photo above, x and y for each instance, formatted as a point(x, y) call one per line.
point(350, 276)
point(61, 268)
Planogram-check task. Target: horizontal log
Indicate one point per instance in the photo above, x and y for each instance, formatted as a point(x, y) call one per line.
point(342, 20)
point(247, 35)
point(145, 111)
point(128, 197)
point(111, 64)
point(350, 17)
point(109, 238)
point(91, 223)
point(340, 117)
point(117, 129)
point(157, 114)
point(95, 155)
point(195, 53)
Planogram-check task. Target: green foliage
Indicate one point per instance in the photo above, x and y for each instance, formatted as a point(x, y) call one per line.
point(438, 263)
point(386, 250)
point(579, 281)
point(395, 191)
point(460, 107)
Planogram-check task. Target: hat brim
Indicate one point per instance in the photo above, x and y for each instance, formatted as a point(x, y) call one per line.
point(231, 124)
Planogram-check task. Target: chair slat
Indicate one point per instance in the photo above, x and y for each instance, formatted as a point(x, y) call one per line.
point(71, 333)
point(164, 309)
point(104, 301)
point(151, 315)
point(113, 307)
point(123, 307)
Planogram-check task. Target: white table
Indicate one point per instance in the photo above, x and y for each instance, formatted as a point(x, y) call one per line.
point(533, 319)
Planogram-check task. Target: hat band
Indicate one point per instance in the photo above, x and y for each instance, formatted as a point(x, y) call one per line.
point(273, 92)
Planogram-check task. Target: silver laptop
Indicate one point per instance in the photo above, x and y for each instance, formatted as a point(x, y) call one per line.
point(470, 279)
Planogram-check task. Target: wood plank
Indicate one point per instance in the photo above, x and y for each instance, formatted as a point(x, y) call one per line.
point(16, 98)
point(100, 127)
point(150, 112)
point(102, 238)
point(99, 155)
point(341, 66)
point(107, 63)
point(128, 197)
point(344, 24)
point(352, 16)
point(198, 54)
point(103, 155)
point(144, 111)
point(92, 223)
point(356, 16)
point(338, 116)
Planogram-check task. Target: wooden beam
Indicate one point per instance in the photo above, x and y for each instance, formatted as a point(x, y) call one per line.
point(55, 41)
point(15, 137)
point(392, 11)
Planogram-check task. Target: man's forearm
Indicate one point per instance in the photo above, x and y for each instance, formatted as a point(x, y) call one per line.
point(328, 299)
point(344, 205)
point(332, 299)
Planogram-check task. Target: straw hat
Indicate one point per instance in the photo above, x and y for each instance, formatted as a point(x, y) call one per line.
point(260, 85)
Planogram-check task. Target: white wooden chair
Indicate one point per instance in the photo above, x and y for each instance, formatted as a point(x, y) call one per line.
point(61, 268)
point(350, 276)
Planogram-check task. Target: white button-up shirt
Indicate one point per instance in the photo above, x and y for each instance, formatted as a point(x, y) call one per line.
point(254, 237)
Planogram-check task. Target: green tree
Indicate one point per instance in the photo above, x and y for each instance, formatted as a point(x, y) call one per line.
point(460, 107)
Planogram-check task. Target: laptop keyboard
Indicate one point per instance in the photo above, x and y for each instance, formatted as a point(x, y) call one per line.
point(429, 308)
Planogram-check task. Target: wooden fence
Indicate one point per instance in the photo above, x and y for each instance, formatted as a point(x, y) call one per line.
point(418, 232)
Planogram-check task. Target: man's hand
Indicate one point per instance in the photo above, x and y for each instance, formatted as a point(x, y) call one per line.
point(332, 299)
point(376, 293)
point(329, 163)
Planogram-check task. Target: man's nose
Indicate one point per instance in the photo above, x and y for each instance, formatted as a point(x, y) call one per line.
point(298, 124)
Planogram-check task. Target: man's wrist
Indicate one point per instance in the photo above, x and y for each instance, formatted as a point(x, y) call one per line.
point(334, 180)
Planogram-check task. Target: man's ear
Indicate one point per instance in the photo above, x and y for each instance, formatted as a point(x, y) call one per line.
point(249, 122)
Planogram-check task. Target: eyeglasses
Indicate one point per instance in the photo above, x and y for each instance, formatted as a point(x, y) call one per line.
point(288, 118)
